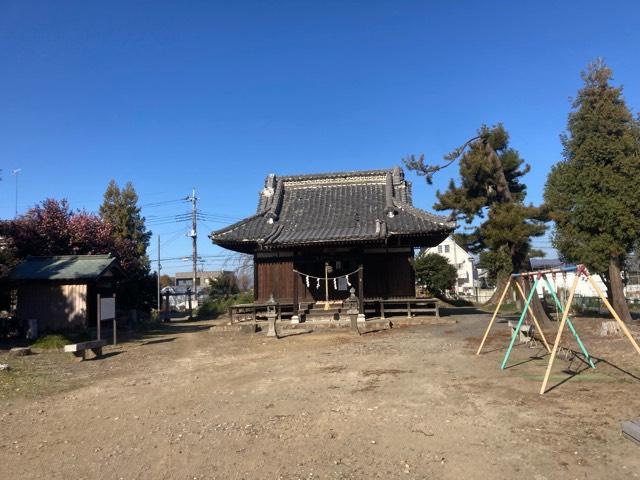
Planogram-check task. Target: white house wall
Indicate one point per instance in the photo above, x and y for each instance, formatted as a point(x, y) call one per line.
point(459, 258)
point(584, 288)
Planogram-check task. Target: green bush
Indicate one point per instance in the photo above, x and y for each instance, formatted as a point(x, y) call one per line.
point(214, 307)
point(435, 273)
point(51, 341)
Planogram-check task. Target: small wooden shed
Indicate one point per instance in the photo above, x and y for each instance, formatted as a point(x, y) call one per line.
point(60, 292)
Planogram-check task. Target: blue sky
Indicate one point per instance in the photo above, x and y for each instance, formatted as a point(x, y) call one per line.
point(215, 95)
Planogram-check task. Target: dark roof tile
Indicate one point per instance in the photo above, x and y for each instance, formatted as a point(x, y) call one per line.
point(340, 207)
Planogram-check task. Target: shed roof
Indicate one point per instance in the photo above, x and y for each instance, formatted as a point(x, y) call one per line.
point(330, 208)
point(63, 267)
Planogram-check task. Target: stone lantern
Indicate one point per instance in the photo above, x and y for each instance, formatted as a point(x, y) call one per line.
point(271, 316)
point(352, 310)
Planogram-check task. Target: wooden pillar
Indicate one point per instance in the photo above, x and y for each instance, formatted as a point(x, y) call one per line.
point(255, 278)
point(99, 317)
point(295, 285)
point(361, 287)
point(386, 272)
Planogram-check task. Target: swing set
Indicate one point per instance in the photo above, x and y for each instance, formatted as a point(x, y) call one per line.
point(541, 276)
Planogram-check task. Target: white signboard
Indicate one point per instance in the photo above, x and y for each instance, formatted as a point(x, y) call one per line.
point(107, 308)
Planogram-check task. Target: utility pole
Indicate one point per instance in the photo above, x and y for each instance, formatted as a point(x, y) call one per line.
point(15, 173)
point(159, 267)
point(194, 240)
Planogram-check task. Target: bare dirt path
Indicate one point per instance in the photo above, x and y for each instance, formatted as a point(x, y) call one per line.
point(406, 403)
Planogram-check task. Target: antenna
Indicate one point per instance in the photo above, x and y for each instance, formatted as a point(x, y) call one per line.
point(15, 172)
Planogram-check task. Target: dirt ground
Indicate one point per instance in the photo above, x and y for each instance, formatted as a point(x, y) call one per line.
point(182, 402)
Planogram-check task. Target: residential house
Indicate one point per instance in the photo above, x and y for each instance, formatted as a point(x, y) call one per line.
point(462, 260)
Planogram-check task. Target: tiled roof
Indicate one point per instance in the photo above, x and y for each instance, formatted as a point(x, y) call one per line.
point(342, 207)
point(63, 267)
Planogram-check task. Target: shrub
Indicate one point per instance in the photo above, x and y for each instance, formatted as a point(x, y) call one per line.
point(214, 307)
point(51, 341)
point(435, 273)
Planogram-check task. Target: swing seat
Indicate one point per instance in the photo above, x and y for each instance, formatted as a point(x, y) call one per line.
point(526, 331)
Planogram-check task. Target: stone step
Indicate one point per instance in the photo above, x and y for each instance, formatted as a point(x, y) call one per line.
point(320, 311)
point(322, 316)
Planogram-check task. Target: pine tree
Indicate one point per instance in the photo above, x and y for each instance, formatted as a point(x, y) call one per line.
point(593, 194)
point(491, 195)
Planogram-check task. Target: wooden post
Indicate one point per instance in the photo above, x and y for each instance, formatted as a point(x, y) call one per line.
point(495, 314)
point(535, 321)
point(99, 320)
point(326, 285)
point(114, 320)
point(361, 287)
point(556, 343)
point(295, 288)
point(255, 278)
point(623, 326)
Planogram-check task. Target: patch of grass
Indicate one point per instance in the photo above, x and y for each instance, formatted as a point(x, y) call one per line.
point(53, 341)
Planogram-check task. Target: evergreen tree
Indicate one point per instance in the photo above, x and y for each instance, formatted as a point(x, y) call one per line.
point(593, 194)
point(491, 195)
point(120, 208)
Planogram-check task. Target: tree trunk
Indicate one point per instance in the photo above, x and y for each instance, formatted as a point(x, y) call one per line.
point(617, 289)
point(501, 283)
point(604, 276)
point(536, 305)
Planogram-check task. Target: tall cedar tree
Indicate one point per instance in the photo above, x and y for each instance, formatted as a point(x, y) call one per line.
point(593, 194)
point(120, 209)
point(492, 193)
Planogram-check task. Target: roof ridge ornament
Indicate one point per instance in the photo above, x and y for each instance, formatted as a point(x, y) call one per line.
point(274, 202)
point(390, 209)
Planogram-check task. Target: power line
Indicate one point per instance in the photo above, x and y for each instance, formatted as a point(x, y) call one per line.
point(163, 202)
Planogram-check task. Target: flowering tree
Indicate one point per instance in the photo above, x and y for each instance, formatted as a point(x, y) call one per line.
point(51, 228)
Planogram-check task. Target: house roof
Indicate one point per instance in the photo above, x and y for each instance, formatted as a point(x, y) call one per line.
point(540, 263)
point(63, 267)
point(330, 208)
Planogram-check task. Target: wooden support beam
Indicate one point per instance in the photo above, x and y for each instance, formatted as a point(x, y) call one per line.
point(495, 314)
point(361, 287)
point(295, 286)
point(556, 343)
point(535, 321)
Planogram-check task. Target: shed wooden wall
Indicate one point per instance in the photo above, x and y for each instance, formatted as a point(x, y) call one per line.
point(56, 307)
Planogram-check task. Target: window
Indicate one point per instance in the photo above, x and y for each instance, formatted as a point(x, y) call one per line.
point(446, 249)
point(439, 248)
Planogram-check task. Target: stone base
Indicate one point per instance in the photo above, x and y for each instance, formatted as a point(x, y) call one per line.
point(19, 351)
point(361, 318)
